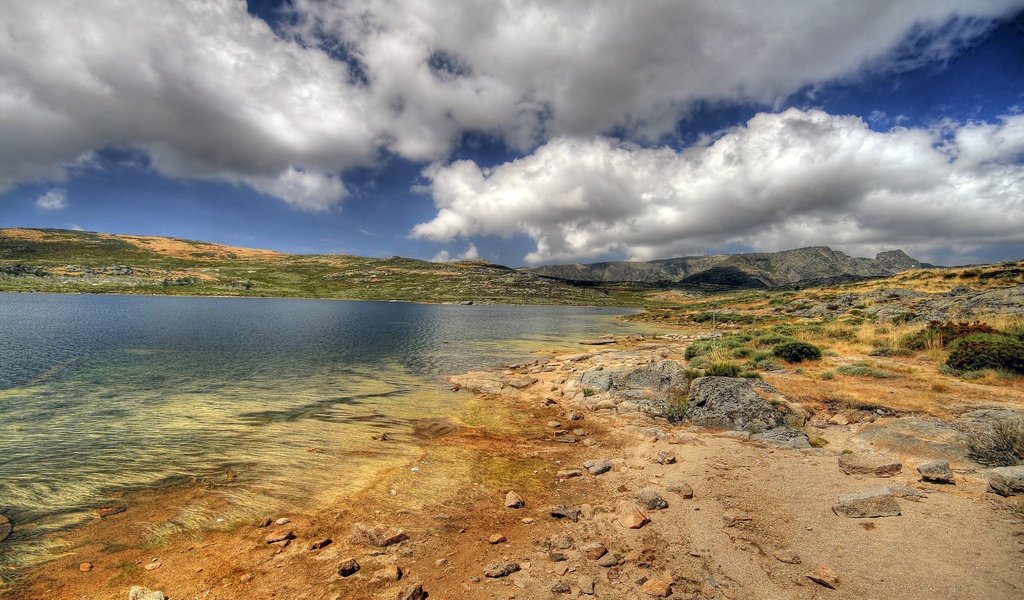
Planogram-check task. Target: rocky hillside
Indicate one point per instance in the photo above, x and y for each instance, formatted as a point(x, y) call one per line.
point(801, 267)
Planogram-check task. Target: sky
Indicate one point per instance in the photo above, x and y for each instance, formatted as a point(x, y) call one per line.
point(523, 132)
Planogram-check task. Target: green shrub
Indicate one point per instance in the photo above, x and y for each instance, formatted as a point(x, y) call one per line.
point(1000, 445)
point(699, 348)
point(942, 333)
point(723, 370)
point(889, 351)
point(797, 351)
point(863, 369)
point(827, 375)
point(774, 339)
point(987, 351)
point(764, 362)
point(588, 392)
point(743, 352)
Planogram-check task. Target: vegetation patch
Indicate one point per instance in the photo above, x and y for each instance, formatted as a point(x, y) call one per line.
point(999, 445)
point(797, 351)
point(987, 351)
point(864, 369)
point(942, 333)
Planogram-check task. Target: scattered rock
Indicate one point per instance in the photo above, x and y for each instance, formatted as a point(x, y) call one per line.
point(152, 565)
point(597, 467)
point(631, 517)
point(609, 560)
point(140, 593)
point(389, 573)
point(557, 556)
point(1007, 481)
point(586, 586)
point(878, 502)
point(869, 463)
point(561, 588)
point(587, 511)
point(666, 458)
point(85, 567)
point(264, 522)
point(413, 592)
point(822, 575)
point(514, 500)
point(282, 521)
point(681, 488)
point(348, 568)
point(519, 381)
point(320, 544)
point(937, 471)
point(554, 424)
point(563, 511)
point(497, 538)
point(569, 473)
point(500, 569)
point(594, 550)
point(787, 556)
point(561, 541)
point(279, 536)
point(657, 587)
point(786, 437)
point(380, 536)
point(650, 499)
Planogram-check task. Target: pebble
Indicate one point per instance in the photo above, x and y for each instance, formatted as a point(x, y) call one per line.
point(514, 500)
point(282, 521)
point(279, 536)
point(137, 592)
point(609, 560)
point(85, 567)
point(380, 536)
point(321, 544)
point(389, 573)
point(650, 499)
point(561, 541)
point(631, 517)
point(586, 586)
point(597, 466)
point(681, 488)
point(594, 550)
point(823, 575)
point(563, 511)
point(561, 588)
point(657, 587)
point(265, 522)
point(666, 458)
point(500, 569)
point(153, 565)
point(496, 539)
point(348, 568)
point(554, 424)
point(936, 472)
point(413, 592)
point(569, 473)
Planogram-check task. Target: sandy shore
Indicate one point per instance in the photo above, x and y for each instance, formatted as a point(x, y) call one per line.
point(682, 512)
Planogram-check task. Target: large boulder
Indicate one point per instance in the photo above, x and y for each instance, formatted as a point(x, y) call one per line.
point(1007, 481)
point(735, 403)
point(652, 387)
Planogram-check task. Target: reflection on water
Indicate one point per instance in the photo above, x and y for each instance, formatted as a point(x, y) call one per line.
point(105, 393)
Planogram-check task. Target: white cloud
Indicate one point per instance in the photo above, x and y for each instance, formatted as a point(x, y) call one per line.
point(780, 181)
point(470, 253)
point(209, 91)
point(441, 257)
point(55, 199)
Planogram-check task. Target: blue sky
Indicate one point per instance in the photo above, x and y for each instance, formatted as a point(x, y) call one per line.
point(534, 134)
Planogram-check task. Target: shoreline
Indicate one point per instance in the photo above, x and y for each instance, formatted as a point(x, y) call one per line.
point(744, 518)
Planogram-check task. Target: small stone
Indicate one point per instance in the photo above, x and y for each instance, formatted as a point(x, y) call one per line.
point(554, 424)
point(822, 575)
point(389, 573)
point(282, 521)
point(865, 505)
point(152, 566)
point(560, 569)
point(137, 592)
point(578, 432)
point(631, 517)
point(587, 511)
point(650, 499)
point(320, 544)
point(574, 416)
point(666, 458)
point(557, 556)
point(380, 536)
point(245, 578)
point(1007, 481)
point(514, 500)
point(413, 592)
point(681, 488)
point(869, 463)
point(657, 587)
point(586, 586)
point(348, 568)
point(526, 521)
point(569, 473)
point(85, 567)
point(563, 511)
point(597, 467)
point(496, 539)
point(440, 562)
point(594, 550)
point(609, 560)
point(279, 536)
point(561, 588)
point(500, 569)
point(561, 541)
point(787, 556)
point(936, 471)
point(264, 522)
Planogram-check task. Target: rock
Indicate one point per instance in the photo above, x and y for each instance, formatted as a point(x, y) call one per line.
point(557, 556)
point(665, 458)
point(264, 522)
point(107, 511)
point(631, 517)
point(348, 568)
point(869, 463)
point(600, 342)
point(878, 502)
point(500, 569)
point(605, 404)
point(137, 592)
point(561, 588)
point(597, 467)
point(1007, 481)
point(554, 424)
point(822, 575)
point(587, 511)
point(320, 544)
point(380, 536)
point(586, 586)
point(657, 587)
point(6, 527)
point(153, 565)
point(563, 511)
point(681, 488)
point(733, 403)
point(569, 473)
point(734, 517)
point(282, 521)
point(574, 416)
point(903, 491)
point(413, 592)
point(497, 538)
point(787, 556)
point(514, 500)
point(609, 560)
point(279, 536)
point(519, 381)
point(85, 567)
point(786, 437)
point(389, 573)
point(936, 471)
point(650, 499)
point(649, 388)
point(561, 541)
point(593, 550)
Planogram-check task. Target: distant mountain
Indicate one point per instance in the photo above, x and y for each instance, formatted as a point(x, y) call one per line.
point(800, 267)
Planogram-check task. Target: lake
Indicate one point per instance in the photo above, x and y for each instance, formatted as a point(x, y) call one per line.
point(273, 399)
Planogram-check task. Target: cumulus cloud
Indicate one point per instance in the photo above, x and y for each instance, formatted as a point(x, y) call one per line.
point(471, 253)
point(209, 91)
point(781, 180)
point(55, 199)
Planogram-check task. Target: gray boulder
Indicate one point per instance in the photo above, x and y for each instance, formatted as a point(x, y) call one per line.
point(651, 387)
point(785, 437)
point(869, 463)
point(734, 403)
point(878, 502)
point(1007, 481)
point(937, 471)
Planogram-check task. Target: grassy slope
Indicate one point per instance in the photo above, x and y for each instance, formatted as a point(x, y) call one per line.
point(90, 262)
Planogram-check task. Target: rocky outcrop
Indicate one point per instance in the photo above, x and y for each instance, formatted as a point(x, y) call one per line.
point(652, 387)
point(735, 404)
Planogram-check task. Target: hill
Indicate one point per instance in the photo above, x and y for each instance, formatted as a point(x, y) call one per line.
point(800, 267)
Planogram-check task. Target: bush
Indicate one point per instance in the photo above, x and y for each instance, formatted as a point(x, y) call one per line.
point(723, 370)
point(942, 333)
point(743, 352)
point(764, 361)
point(986, 351)
point(797, 351)
point(774, 339)
point(1001, 445)
point(862, 369)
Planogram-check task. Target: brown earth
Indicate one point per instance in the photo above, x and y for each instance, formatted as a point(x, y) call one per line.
point(760, 519)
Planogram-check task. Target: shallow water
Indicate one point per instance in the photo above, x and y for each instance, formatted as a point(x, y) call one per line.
point(274, 399)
